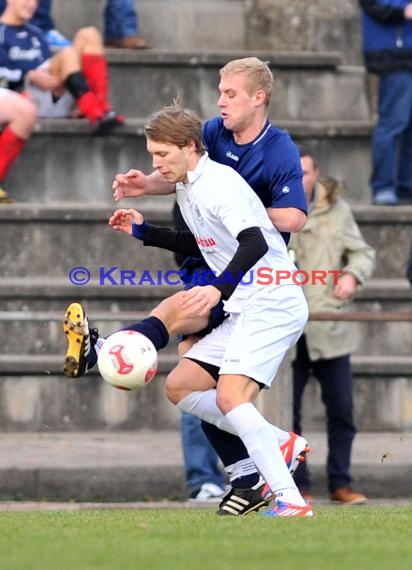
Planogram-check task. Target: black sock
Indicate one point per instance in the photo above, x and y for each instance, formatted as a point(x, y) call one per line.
point(154, 329)
point(230, 448)
point(76, 84)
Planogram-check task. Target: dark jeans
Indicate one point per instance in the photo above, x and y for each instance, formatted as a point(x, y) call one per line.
point(335, 378)
point(120, 19)
point(201, 461)
point(392, 136)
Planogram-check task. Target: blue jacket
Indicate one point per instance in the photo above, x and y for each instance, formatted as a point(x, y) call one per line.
point(387, 36)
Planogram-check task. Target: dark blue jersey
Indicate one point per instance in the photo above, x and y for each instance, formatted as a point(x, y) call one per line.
point(22, 48)
point(270, 163)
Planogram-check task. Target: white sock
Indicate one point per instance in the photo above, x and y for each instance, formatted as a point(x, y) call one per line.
point(257, 435)
point(203, 405)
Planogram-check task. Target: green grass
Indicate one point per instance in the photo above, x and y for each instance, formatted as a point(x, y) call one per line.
point(351, 538)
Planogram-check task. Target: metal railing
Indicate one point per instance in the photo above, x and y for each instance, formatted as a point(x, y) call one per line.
point(388, 316)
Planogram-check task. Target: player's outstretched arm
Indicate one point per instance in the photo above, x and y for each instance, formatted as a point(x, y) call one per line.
point(122, 220)
point(136, 183)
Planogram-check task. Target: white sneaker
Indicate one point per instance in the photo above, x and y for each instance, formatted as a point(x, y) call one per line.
point(209, 492)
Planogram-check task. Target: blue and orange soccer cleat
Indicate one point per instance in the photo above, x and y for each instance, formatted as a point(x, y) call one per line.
point(294, 451)
point(281, 509)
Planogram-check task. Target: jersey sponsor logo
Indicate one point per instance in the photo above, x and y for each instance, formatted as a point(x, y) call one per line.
point(205, 241)
point(285, 190)
point(230, 154)
point(17, 54)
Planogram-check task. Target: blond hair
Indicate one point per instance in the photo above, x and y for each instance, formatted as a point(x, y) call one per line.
point(175, 125)
point(257, 72)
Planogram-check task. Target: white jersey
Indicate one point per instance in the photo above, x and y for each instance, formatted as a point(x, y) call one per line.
point(217, 204)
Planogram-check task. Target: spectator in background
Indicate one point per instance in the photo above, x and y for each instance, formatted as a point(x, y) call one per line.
point(43, 19)
point(17, 119)
point(75, 76)
point(387, 46)
point(121, 25)
point(330, 240)
point(204, 480)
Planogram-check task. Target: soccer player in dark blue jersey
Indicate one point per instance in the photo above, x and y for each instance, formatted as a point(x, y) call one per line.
point(243, 138)
point(76, 76)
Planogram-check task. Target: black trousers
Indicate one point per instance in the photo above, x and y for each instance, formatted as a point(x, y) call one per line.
point(335, 378)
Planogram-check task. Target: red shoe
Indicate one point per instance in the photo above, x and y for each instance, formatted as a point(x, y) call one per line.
point(294, 451)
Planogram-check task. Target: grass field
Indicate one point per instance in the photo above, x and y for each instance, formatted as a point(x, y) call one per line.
point(351, 538)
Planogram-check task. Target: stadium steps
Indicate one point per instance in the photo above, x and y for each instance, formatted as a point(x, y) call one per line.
point(63, 159)
point(44, 242)
point(47, 241)
point(67, 177)
point(232, 24)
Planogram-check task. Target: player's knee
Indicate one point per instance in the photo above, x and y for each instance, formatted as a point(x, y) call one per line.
point(88, 35)
point(224, 401)
point(29, 112)
point(173, 388)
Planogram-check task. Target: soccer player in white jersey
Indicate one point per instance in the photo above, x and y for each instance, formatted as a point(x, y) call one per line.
point(230, 227)
point(267, 159)
point(265, 156)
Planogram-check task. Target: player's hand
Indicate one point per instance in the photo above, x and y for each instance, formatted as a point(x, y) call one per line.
point(122, 220)
point(130, 185)
point(198, 301)
point(44, 80)
point(346, 287)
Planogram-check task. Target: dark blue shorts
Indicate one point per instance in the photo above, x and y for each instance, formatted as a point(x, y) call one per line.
point(194, 272)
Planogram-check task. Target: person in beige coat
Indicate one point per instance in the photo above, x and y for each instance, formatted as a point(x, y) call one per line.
point(330, 240)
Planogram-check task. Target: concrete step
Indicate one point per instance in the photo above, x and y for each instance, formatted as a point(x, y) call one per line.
point(70, 235)
point(73, 237)
point(169, 24)
point(147, 465)
point(26, 328)
point(307, 85)
point(65, 164)
point(174, 24)
point(35, 396)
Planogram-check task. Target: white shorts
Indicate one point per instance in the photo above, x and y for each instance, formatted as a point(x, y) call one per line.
point(47, 107)
point(254, 342)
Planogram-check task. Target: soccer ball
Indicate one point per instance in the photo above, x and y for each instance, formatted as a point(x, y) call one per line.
point(127, 360)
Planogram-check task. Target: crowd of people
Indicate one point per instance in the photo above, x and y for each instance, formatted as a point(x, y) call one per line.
point(242, 184)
